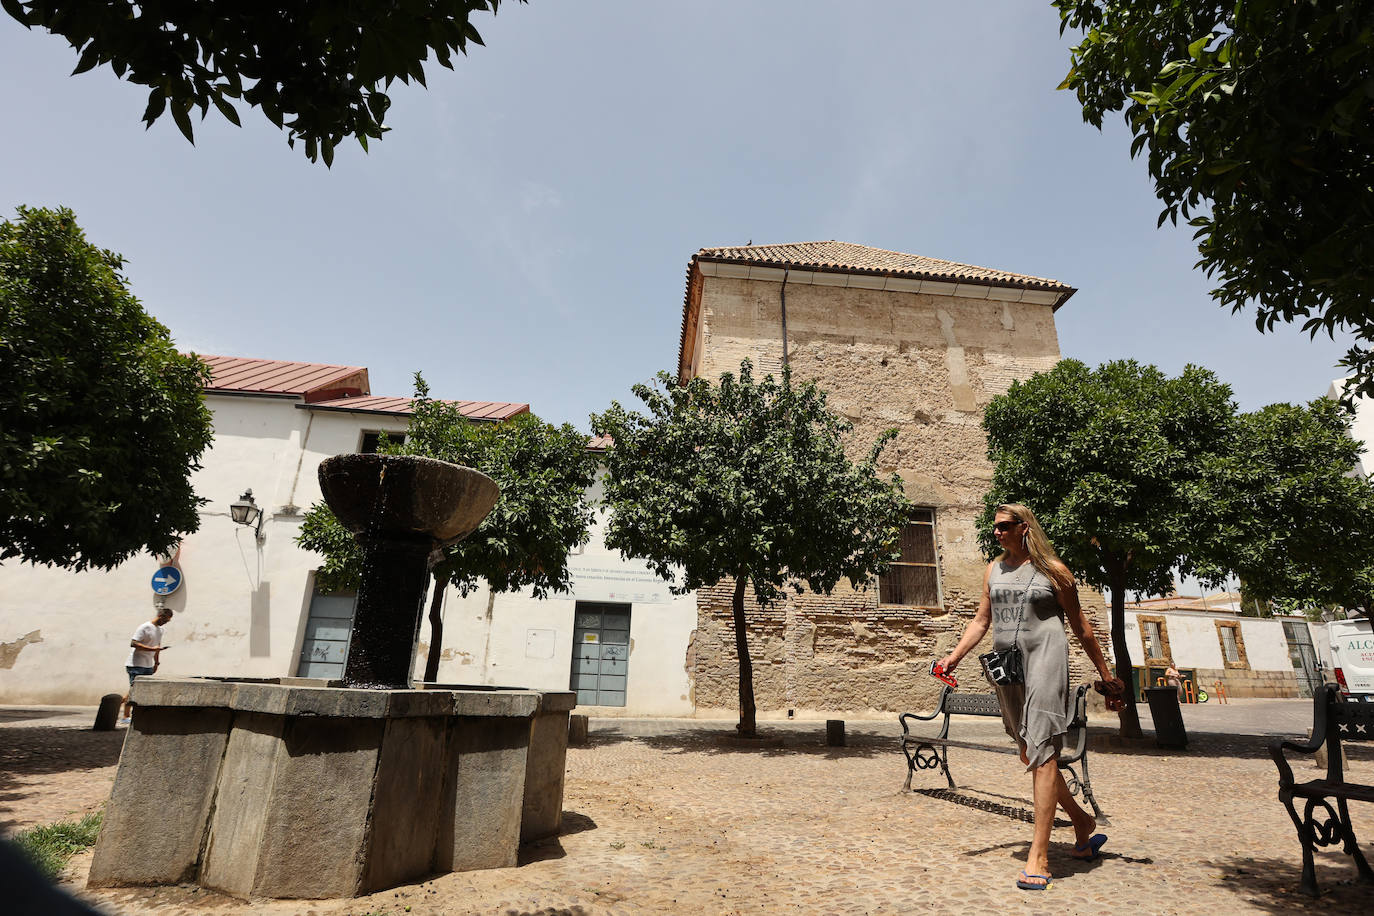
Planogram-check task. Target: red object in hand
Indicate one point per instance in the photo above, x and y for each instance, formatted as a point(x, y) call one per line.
point(1115, 701)
point(937, 671)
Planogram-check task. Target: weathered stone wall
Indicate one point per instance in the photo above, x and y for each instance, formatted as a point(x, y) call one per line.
point(925, 365)
point(1247, 683)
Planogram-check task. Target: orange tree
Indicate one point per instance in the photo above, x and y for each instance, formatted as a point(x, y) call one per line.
point(102, 421)
point(746, 480)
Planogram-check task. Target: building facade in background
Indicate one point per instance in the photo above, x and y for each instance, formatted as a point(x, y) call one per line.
point(897, 341)
point(1213, 644)
point(245, 602)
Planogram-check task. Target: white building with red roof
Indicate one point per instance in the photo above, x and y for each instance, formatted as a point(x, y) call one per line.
point(245, 603)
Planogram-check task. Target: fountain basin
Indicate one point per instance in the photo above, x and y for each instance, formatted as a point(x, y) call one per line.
point(294, 790)
point(401, 495)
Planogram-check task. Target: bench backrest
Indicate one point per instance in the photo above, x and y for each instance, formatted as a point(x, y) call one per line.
point(1339, 720)
point(972, 704)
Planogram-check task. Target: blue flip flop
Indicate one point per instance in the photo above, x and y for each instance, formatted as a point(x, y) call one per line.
point(1091, 847)
point(1026, 884)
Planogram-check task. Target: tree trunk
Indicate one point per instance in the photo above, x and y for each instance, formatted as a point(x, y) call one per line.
point(747, 726)
point(436, 629)
point(1130, 715)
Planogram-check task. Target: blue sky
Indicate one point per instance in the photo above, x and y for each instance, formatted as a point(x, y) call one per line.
point(522, 233)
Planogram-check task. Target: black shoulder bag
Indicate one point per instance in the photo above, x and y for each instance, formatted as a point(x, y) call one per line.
point(1005, 666)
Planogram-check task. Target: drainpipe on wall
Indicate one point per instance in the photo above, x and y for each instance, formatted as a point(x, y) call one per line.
point(783, 296)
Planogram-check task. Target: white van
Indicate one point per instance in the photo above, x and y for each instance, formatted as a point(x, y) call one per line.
point(1352, 657)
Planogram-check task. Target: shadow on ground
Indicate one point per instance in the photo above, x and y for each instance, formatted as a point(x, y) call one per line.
point(770, 743)
point(1271, 884)
point(31, 752)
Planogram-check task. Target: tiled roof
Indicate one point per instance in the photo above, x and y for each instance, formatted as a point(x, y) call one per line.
point(832, 257)
point(473, 410)
point(311, 381)
point(599, 443)
point(328, 387)
point(847, 257)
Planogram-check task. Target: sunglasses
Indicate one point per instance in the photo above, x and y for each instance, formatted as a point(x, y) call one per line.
point(1004, 526)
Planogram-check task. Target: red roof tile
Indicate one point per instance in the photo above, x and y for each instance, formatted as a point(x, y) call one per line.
point(312, 381)
point(473, 410)
point(848, 258)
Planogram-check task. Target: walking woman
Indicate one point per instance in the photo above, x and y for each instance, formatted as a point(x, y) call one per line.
point(1028, 593)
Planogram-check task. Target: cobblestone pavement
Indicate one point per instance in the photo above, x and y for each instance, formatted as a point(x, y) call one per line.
point(675, 816)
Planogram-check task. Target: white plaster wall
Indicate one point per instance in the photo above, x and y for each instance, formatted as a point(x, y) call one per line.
point(242, 605)
point(509, 652)
point(1194, 642)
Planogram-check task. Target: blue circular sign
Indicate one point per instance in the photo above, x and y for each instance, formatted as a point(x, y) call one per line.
point(166, 580)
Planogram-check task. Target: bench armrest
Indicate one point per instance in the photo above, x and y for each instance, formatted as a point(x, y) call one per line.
point(926, 717)
point(1277, 748)
point(1324, 696)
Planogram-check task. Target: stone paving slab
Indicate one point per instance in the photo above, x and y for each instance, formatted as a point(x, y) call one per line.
point(672, 816)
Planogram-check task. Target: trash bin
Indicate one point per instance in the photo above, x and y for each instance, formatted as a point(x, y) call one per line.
point(1167, 716)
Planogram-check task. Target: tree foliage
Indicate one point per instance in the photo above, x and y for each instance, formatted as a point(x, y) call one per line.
point(746, 480)
point(315, 69)
point(543, 471)
point(1136, 476)
point(1255, 118)
point(1299, 519)
point(102, 421)
point(1113, 461)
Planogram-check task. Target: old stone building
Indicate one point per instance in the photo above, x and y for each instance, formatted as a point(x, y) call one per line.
point(898, 341)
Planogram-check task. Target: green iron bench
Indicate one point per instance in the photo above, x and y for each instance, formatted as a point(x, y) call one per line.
point(929, 752)
point(1334, 720)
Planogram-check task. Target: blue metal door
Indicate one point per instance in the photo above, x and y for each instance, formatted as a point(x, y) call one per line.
point(601, 653)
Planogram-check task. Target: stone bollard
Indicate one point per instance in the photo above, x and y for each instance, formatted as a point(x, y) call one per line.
point(834, 732)
point(108, 715)
point(1320, 758)
point(577, 730)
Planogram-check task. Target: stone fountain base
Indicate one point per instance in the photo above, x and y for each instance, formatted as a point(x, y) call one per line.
point(295, 789)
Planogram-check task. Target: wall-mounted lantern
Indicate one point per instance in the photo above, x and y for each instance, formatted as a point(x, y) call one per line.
point(246, 512)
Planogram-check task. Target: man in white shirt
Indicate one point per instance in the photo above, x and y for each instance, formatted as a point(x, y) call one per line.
point(147, 649)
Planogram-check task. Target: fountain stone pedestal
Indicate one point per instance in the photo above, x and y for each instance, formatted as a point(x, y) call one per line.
point(293, 787)
point(286, 790)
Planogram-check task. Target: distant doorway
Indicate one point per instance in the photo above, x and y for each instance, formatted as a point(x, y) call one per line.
point(324, 651)
point(601, 653)
point(1303, 655)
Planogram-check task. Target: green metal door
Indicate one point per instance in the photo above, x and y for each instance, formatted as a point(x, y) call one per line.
point(325, 647)
point(601, 653)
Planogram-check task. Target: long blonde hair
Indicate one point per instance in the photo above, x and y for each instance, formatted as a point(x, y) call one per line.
point(1042, 555)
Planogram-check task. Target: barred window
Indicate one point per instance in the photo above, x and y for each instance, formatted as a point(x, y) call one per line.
point(914, 579)
point(1154, 640)
point(1230, 650)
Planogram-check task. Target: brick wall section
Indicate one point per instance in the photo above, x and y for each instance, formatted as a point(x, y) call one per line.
point(926, 366)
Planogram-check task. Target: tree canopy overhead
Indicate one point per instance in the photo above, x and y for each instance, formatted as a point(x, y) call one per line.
point(102, 421)
point(746, 480)
point(1255, 118)
point(543, 472)
point(315, 68)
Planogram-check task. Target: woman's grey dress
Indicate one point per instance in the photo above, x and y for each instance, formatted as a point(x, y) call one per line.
point(1035, 713)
